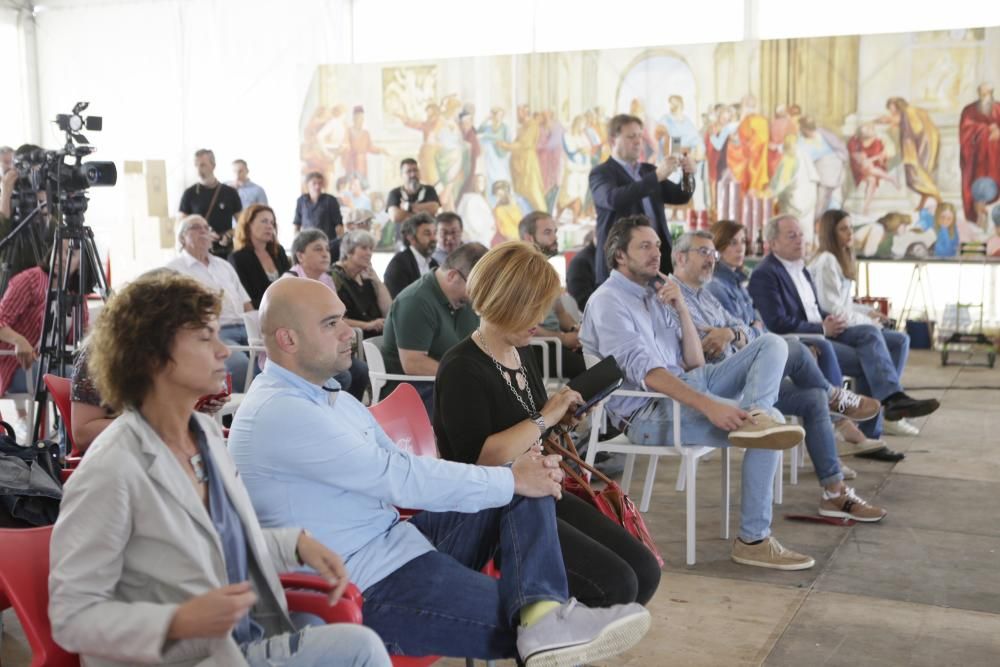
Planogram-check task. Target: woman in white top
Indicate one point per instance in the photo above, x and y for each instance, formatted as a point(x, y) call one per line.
point(834, 270)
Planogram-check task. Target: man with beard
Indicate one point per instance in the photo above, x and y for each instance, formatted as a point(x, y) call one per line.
point(416, 259)
point(217, 202)
point(979, 136)
point(412, 196)
point(449, 235)
point(540, 229)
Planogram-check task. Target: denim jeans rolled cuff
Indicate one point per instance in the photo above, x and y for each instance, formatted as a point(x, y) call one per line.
point(653, 425)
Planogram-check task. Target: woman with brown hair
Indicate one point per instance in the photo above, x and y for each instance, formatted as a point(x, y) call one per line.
point(259, 259)
point(490, 406)
point(157, 555)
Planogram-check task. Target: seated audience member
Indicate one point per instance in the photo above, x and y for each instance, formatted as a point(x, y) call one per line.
point(357, 284)
point(310, 455)
point(541, 230)
point(157, 555)
point(804, 392)
point(490, 406)
point(22, 315)
point(356, 219)
point(197, 261)
point(580, 281)
point(641, 318)
point(311, 257)
point(429, 318)
point(257, 256)
point(415, 260)
point(728, 286)
point(317, 209)
point(449, 235)
point(412, 196)
point(784, 293)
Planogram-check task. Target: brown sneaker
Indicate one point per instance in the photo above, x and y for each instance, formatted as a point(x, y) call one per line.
point(770, 553)
point(848, 506)
point(762, 432)
point(853, 406)
point(851, 441)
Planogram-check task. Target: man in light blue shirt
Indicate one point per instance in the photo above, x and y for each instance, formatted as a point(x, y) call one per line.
point(804, 392)
point(249, 192)
point(640, 317)
point(314, 456)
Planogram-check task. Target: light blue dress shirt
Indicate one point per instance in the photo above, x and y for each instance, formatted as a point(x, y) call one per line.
point(621, 319)
point(315, 457)
point(707, 312)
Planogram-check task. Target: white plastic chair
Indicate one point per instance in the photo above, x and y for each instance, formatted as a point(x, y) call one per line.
point(689, 455)
point(542, 342)
point(376, 369)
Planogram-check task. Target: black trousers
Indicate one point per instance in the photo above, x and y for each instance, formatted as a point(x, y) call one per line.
point(572, 361)
point(604, 564)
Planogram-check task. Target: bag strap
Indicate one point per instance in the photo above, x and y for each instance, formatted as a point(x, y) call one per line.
point(211, 204)
point(571, 454)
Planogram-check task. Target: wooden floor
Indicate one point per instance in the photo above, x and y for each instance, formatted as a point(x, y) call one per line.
point(920, 588)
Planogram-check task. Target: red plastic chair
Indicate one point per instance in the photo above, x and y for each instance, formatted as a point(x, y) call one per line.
point(403, 417)
point(24, 575)
point(59, 390)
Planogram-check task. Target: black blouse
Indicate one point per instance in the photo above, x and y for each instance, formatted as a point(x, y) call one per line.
point(361, 300)
point(472, 400)
point(251, 273)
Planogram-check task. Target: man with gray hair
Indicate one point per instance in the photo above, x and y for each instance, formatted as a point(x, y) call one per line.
point(641, 318)
point(785, 296)
point(197, 261)
point(804, 391)
point(216, 202)
point(430, 317)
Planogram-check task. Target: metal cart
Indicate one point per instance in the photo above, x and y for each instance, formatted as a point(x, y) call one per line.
point(969, 337)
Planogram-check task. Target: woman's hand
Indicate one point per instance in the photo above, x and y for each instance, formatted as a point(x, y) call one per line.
point(212, 614)
point(561, 404)
point(328, 564)
point(212, 406)
point(25, 352)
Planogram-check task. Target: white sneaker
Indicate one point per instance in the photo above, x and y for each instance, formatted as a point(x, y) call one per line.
point(901, 427)
point(848, 473)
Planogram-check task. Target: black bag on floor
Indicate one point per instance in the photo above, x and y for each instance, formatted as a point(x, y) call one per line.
point(30, 484)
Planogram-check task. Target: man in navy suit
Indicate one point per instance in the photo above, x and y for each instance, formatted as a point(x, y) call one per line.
point(784, 293)
point(624, 186)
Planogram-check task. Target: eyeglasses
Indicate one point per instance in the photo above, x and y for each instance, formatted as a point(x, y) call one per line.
point(705, 251)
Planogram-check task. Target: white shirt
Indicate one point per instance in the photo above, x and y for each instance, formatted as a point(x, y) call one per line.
point(835, 291)
point(796, 270)
point(219, 275)
point(423, 263)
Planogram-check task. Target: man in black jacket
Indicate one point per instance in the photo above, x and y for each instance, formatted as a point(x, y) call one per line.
point(416, 258)
point(580, 273)
point(623, 186)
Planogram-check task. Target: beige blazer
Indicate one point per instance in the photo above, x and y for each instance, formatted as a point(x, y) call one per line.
point(133, 541)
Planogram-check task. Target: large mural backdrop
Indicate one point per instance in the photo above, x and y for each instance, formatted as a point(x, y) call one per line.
point(902, 130)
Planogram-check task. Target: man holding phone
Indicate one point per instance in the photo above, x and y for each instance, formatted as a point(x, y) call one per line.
point(624, 186)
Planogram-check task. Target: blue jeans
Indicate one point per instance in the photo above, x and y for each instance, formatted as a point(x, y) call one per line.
point(751, 377)
point(317, 646)
point(826, 359)
point(876, 358)
point(440, 604)
point(237, 362)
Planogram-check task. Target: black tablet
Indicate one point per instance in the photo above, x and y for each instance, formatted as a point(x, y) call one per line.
point(597, 382)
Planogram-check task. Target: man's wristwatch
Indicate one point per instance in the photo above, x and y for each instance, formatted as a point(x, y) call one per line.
point(539, 421)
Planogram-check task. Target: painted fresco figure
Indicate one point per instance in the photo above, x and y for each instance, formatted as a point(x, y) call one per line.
point(919, 140)
point(979, 137)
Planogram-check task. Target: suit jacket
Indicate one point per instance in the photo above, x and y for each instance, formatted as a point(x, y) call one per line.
point(580, 276)
point(402, 271)
point(777, 299)
point(133, 541)
point(251, 272)
point(617, 194)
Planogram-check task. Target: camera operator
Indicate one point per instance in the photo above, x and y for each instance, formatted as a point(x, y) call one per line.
point(217, 202)
point(32, 245)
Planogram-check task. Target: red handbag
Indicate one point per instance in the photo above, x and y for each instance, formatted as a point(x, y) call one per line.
point(610, 501)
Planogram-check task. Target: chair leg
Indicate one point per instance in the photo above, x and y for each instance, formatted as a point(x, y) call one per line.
point(802, 454)
point(681, 474)
point(647, 487)
point(778, 479)
point(627, 473)
point(793, 471)
point(725, 494)
point(691, 508)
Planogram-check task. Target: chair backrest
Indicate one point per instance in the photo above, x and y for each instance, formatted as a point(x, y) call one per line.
point(251, 322)
point(403, 417)
point(24, 578)
point(59, 389)
point(376, 364)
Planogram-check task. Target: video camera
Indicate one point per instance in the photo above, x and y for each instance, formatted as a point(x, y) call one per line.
point(62, 174)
